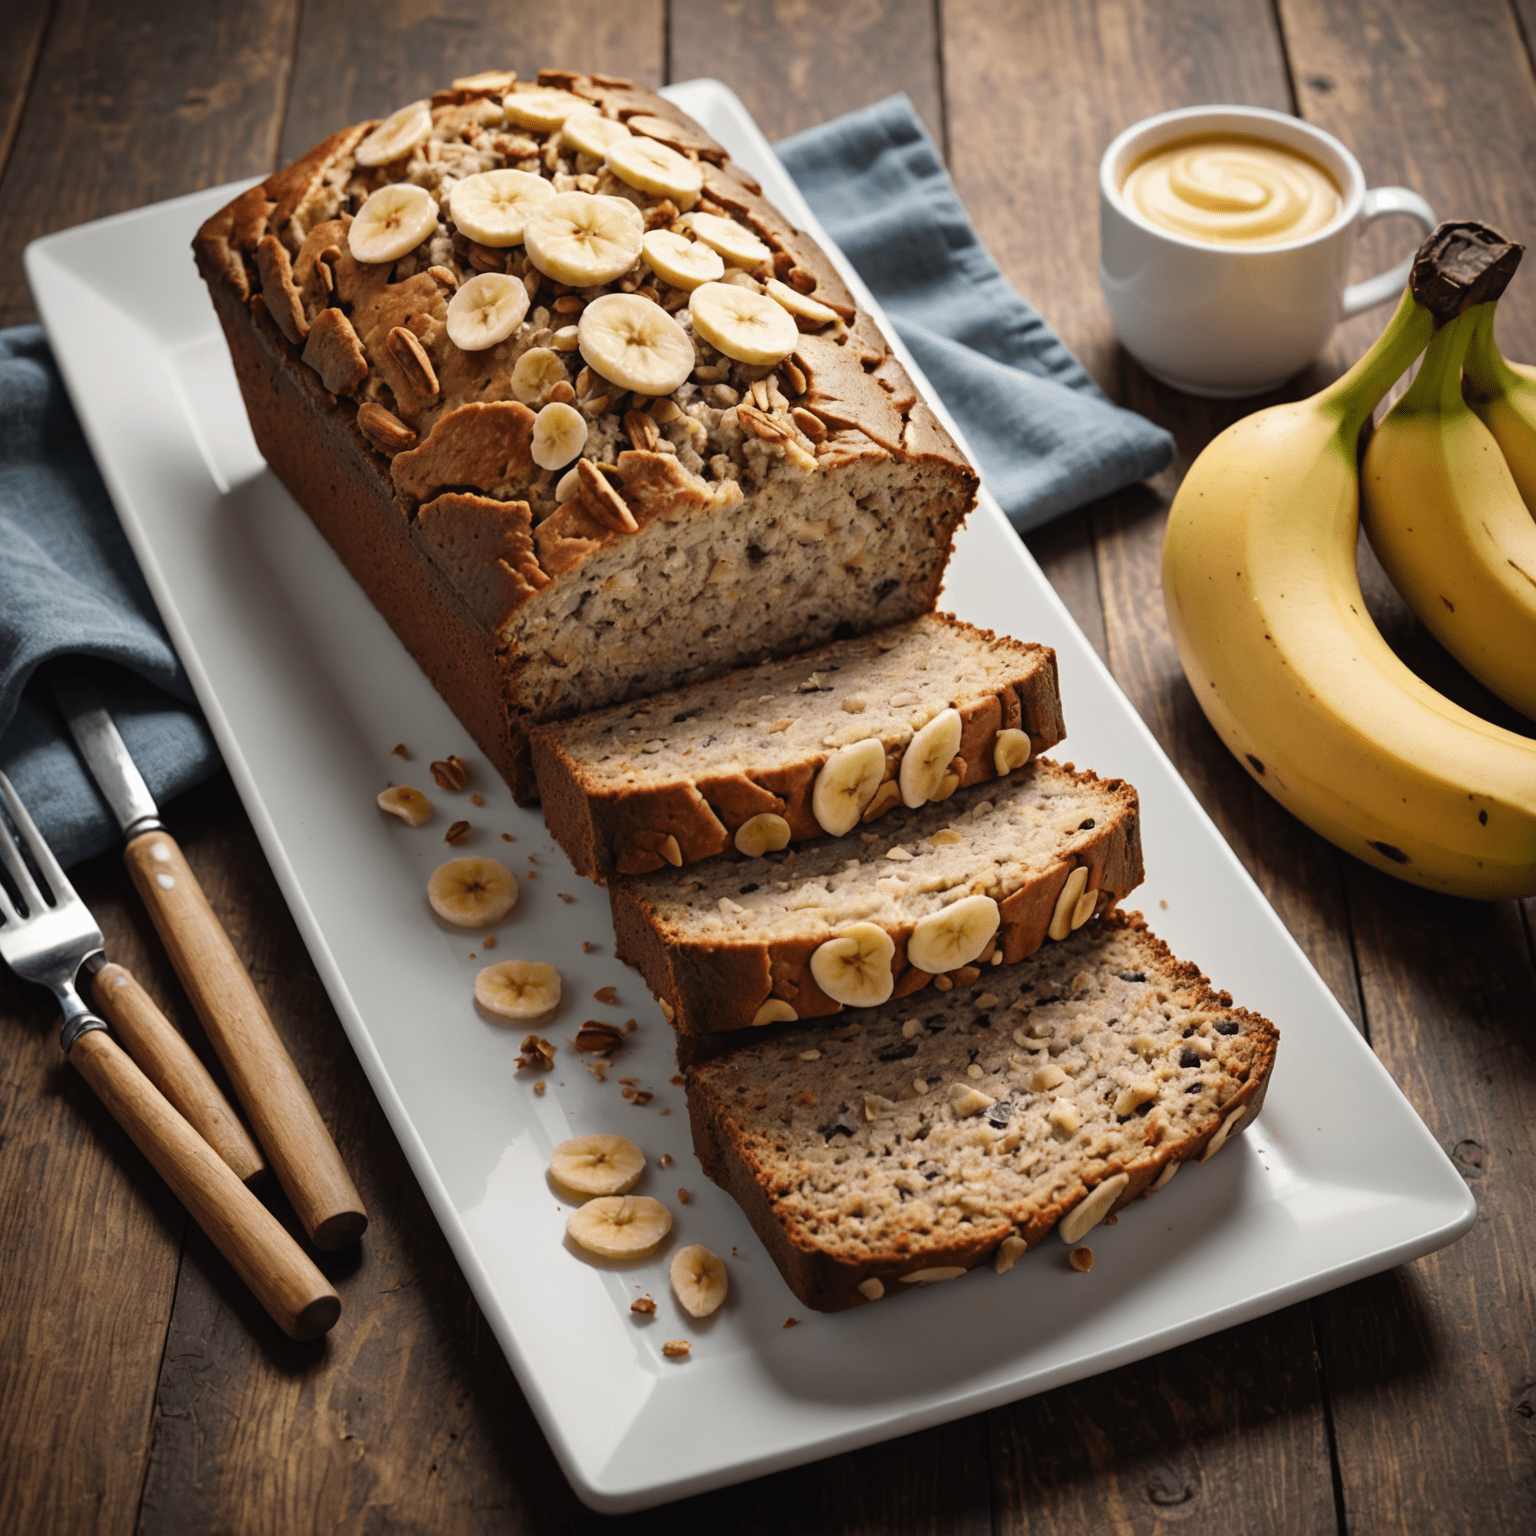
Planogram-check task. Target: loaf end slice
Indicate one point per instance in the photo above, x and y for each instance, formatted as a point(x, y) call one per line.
point(875, 1157)
point(732, 942)
point(697, 764)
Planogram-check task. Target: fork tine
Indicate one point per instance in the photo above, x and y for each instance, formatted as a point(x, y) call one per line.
point(40, 851)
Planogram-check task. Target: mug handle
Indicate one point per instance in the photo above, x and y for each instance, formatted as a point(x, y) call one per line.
point(1380, 203)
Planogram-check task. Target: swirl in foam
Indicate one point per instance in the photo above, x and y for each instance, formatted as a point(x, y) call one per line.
point(1228, 189)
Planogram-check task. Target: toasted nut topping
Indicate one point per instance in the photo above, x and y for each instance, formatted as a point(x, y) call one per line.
point(677, 1349)
point(642, 431)
point(683, 1197)
point(936, 1273)
point(774, 1011)
point(1081, 1260)
point(599, 1037)
point(871, 1289)
point(1009, 1252)
point(537, 1052)
point(1078, 1222)
point(665, 1160)
point(605, 995)
point(643, 1305)
point(797, 386)
point(450, 774)
point(410, 805)
point(384, 429)
point(412, 357)
point(400, 750)
point(457, 832)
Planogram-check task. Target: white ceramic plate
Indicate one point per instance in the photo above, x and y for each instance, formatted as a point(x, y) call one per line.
point(307, 690)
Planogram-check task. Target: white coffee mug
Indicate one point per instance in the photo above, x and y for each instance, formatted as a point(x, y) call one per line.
point(1229, 320)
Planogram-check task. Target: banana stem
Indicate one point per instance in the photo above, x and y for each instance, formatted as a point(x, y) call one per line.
point(1487, 375)
point(1437, 389)
point(1354, 395)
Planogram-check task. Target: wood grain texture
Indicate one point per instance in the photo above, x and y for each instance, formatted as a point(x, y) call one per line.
point(409, 48)
point(795, 64)
point(134, 103)
point(26, 25)
point(270, 1090)
point(161, 1052)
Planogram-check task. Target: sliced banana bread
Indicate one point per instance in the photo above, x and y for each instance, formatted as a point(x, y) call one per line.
point(772, 754)
point(583, 414)
point(927, 1137)
point(941, 892)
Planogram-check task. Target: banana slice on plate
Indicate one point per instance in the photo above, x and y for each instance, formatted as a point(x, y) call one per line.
point(944, 941)
point(537, 372)
point(634, 343)
point(855, 968)
point(927, 759)
point(651, 167)
point(542, 109)
point(486, 310)
point(409, 804)
point(473, 892)
point(734, 241)
point(801, 305)
point(397, 135)
point(394, 220)
point(698, 1280)
point(559, 434)
point(846, 784)
point(620, 1226)
point(592, 134)
point(518, 989)
point(743, 325)
point(582, 239)
point(492, 207)
point(597, 1165)
point(684, 263)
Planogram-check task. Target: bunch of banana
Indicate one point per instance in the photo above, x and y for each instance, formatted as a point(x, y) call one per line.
point(1445, 516)
point(1265, 608)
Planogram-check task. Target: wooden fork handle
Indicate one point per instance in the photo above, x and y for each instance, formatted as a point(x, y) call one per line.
point(263, 1075)
point(164, 1057)
point(281, 1276)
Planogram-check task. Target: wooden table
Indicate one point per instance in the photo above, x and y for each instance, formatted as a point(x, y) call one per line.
point(140, 1388)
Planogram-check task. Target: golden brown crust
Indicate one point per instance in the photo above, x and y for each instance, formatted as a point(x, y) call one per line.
point(712, 987)
point(828, 1281)
point(597, 826)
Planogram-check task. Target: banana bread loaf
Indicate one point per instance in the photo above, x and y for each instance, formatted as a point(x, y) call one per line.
point(935, 895)
point(769, 755)
point(930, 1136)
point(583, 414)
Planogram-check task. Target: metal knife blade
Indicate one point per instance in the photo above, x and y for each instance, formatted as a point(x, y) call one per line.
point(104, 752)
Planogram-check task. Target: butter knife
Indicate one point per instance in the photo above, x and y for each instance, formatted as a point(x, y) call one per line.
point(275, 1099)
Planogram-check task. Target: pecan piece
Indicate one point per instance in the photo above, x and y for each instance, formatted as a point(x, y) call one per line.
point(412, 357)
point(642, 431)
point(384, 429)
point(599, 1037)
point(602, 501)
point(761, 423)
point(450, 773)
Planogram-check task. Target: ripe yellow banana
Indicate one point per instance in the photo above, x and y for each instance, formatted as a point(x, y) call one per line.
point(1504, 395)
point(1265, 608)
point(1445, 518)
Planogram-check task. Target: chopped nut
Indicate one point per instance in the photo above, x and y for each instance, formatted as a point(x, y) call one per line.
point(457, 832)
point(945, 835)
point(599, 1037)
point(587, 946)
point(507, 837)
point(489, 941)
point(1009, 1252)
point(665, 1160)
point(536, 1051)
point(871, 1289)
point(988, 1000)
point(677, 1349)
point(943, 983)
point(477, 799)
point(605, 995)
point(966, 975)
point(400, 750)
point(683, 1197)
point(540, 1086)
point(643, 1305)
point(1081, 1260)
point(450, 774)
point(563, 897)
point(676, 1079)
point(791, 1322)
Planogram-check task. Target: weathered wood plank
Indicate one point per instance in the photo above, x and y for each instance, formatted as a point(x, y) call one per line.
point(26, 24)
point(1441, 1352)
point(131, 104)
point(795, 64)
point(345, 72)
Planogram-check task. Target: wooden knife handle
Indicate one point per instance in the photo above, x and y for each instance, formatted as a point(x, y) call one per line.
point(281, 1276)
point(263, 1075)
point(162, 1054)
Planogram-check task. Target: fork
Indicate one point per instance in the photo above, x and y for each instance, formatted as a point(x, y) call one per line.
point(46, 937)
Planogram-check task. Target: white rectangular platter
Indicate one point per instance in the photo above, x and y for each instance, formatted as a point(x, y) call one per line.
point(307, 690)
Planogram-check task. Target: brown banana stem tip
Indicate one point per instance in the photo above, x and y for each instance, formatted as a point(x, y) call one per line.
point(1463, 263)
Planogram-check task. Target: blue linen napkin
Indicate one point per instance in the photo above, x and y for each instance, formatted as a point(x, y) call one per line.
point(1045, 438)
point(69, 586)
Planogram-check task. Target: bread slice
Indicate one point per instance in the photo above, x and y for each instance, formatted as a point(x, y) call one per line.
point(696, 764)
point(722, 941)
point(751, 511)
point(927, 1137)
